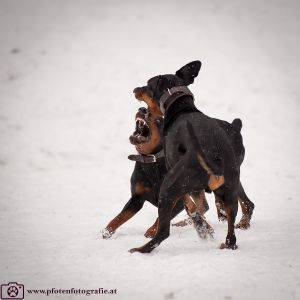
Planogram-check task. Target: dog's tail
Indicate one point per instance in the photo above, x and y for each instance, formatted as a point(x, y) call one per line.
point(213, 165)
point(237, 124)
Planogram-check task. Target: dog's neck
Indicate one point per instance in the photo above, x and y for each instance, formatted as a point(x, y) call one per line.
point(154, 157)
point(171, 95)
point(184, 104)
point(157, 149)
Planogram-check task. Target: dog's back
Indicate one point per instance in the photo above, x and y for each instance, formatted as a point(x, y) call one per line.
point(233, 131)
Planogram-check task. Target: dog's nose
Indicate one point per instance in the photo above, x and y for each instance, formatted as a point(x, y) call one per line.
point(143, 110)
point(136, 89)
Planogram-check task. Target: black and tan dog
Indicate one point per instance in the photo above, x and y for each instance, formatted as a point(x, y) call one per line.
point(148, 174)
point(199, 155)
point(150, 170)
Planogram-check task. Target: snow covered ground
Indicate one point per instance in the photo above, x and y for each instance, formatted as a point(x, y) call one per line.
point(67, 71)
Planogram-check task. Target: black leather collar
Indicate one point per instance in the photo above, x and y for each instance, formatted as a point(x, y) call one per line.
point(147, 159)
point(171, 95)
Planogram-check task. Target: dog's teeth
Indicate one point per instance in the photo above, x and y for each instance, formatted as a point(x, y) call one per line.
point(140, 122)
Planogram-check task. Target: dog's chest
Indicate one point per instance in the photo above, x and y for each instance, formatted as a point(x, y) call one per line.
point(155, 172)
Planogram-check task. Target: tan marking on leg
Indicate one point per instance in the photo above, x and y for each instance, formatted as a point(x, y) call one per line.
point(151, 231)
point(189, 204)
point(200, 200)
point(220, 209)
point(202, 227)
point(215, 181)
point(139, 188)
point(244, 223)
point(120, 219)
point(243, 206)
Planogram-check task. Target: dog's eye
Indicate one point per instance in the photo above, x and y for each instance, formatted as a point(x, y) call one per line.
point(159, 121)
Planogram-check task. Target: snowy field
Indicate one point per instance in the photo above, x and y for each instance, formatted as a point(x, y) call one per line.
point(67, 71)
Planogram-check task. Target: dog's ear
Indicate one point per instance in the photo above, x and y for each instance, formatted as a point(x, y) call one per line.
point(189, 72)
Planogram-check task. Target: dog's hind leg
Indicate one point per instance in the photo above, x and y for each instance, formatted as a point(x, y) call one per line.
point(190, 208)
point(203, 229)
point(220, 208)
point(231, 207)
point(200, 201)
point(247, 208)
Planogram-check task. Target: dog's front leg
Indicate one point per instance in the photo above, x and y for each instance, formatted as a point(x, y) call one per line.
point(164, 218)
point(176, 183)
point(134, 204)
point(150, 233)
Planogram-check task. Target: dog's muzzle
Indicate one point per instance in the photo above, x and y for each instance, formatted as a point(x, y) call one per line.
point(171, 95)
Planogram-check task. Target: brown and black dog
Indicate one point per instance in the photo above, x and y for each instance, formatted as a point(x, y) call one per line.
point(147, 177)
point(198, 151)
point(150, 170)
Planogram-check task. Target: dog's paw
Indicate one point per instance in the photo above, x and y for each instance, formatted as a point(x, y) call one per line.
point(225, 246)
point(222, 216)
point(142, 249)
point(133, 250)
point(230, 243)
point(150, 233)
point(244, 223)
point(205, 231)
point(183, 223)
point(106, 233)
point(147, 248)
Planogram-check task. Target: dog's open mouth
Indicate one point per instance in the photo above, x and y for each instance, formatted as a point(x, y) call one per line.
point(142, 129)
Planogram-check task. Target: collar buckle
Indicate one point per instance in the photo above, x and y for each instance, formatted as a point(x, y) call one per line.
point(153, 157)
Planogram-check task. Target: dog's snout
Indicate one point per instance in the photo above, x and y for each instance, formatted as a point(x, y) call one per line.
point(143, 110)
point(140, 90)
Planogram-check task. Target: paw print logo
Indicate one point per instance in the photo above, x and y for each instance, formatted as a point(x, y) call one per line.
point(12, 291)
